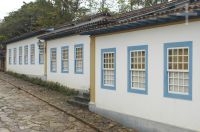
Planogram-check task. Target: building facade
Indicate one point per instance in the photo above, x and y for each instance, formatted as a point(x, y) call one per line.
point(69, 61)
point(24, 55)
point(146, 69)
point(144, 75)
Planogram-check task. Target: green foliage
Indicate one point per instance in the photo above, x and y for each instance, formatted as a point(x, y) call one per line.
point(129, 5)
point(40, 14)
point(55, 86)
point(147, 3)
point(51, 13)
point(2, 38)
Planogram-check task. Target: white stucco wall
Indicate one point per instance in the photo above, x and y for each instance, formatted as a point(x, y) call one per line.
point(154, 106)
point(29, 69)
point(70, 79)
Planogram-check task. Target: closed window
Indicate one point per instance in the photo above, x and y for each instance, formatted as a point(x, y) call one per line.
point(137, 65)
point(15, 56)
point(41, 55)
point(10, 56)
point(108, 68)
point(53, 60)
point(32, 54)
point(79, 59)
point(178, 71)
point(65, 59)
point(178, 61)
point(20, 55)
point(26, 54)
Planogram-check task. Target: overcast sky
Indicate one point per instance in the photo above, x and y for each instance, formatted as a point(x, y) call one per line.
point(7, 6)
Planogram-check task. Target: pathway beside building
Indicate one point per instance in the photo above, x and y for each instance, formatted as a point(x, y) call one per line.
point(19, 111)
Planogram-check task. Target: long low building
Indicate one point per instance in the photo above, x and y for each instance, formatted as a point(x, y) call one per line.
point(141, 67)
point(60, 55)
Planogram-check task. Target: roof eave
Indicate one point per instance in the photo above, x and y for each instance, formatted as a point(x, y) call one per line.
point(25, 36)
point(139, 24)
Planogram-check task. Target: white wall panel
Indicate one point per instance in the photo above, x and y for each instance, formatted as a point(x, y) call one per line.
point(29, 69)
point(70, 79)
point(154, 106)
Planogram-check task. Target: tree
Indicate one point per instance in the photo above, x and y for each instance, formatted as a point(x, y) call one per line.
point(153, 2)
point(104, 6)
point(122, 5)
point(29, 17)
point(40, 14)
point(135, 4)
point(2, 38)
point(92, 6)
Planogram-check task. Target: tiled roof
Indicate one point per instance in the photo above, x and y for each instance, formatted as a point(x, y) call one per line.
point(25, 36)
point(162, 13)
point(78, 26)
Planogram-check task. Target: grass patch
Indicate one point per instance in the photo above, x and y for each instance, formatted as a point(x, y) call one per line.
point(55, 86)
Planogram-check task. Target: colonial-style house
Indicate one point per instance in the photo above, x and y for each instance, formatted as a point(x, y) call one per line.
point(142, 67)
point(145, 65)
point(24, 55)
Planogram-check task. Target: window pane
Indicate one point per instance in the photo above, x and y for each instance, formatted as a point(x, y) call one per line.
point(15, 56)
point(64, 59)
point(108, 69)
point(175, 51)
point(138, 79)
point(53, 60)
point(137, 69)
point(178, 82)
point(170, 51)
point(41, 57)
point(79, 59)
point(176, 58)
point(180, 51)
point(25, 54)
point(186, 51)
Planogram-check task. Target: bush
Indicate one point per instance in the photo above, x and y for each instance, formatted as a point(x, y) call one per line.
point(55, 86)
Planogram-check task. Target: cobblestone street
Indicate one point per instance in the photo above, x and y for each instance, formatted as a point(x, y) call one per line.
point(25, 107)
point(20, 112)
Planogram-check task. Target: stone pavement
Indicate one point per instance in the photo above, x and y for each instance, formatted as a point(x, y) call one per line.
point(47, 108)
point(20, 112)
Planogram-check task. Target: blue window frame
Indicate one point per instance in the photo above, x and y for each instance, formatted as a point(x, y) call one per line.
point(53, 59)
point(32, 53)
point(178, 70)
point(78, 59)
point(15, 56)
point(10, 56)
point(41, 55)
point(20, 55)
point(26, 54)
point(108, 68)
point(65, 59)
point(138, 69)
